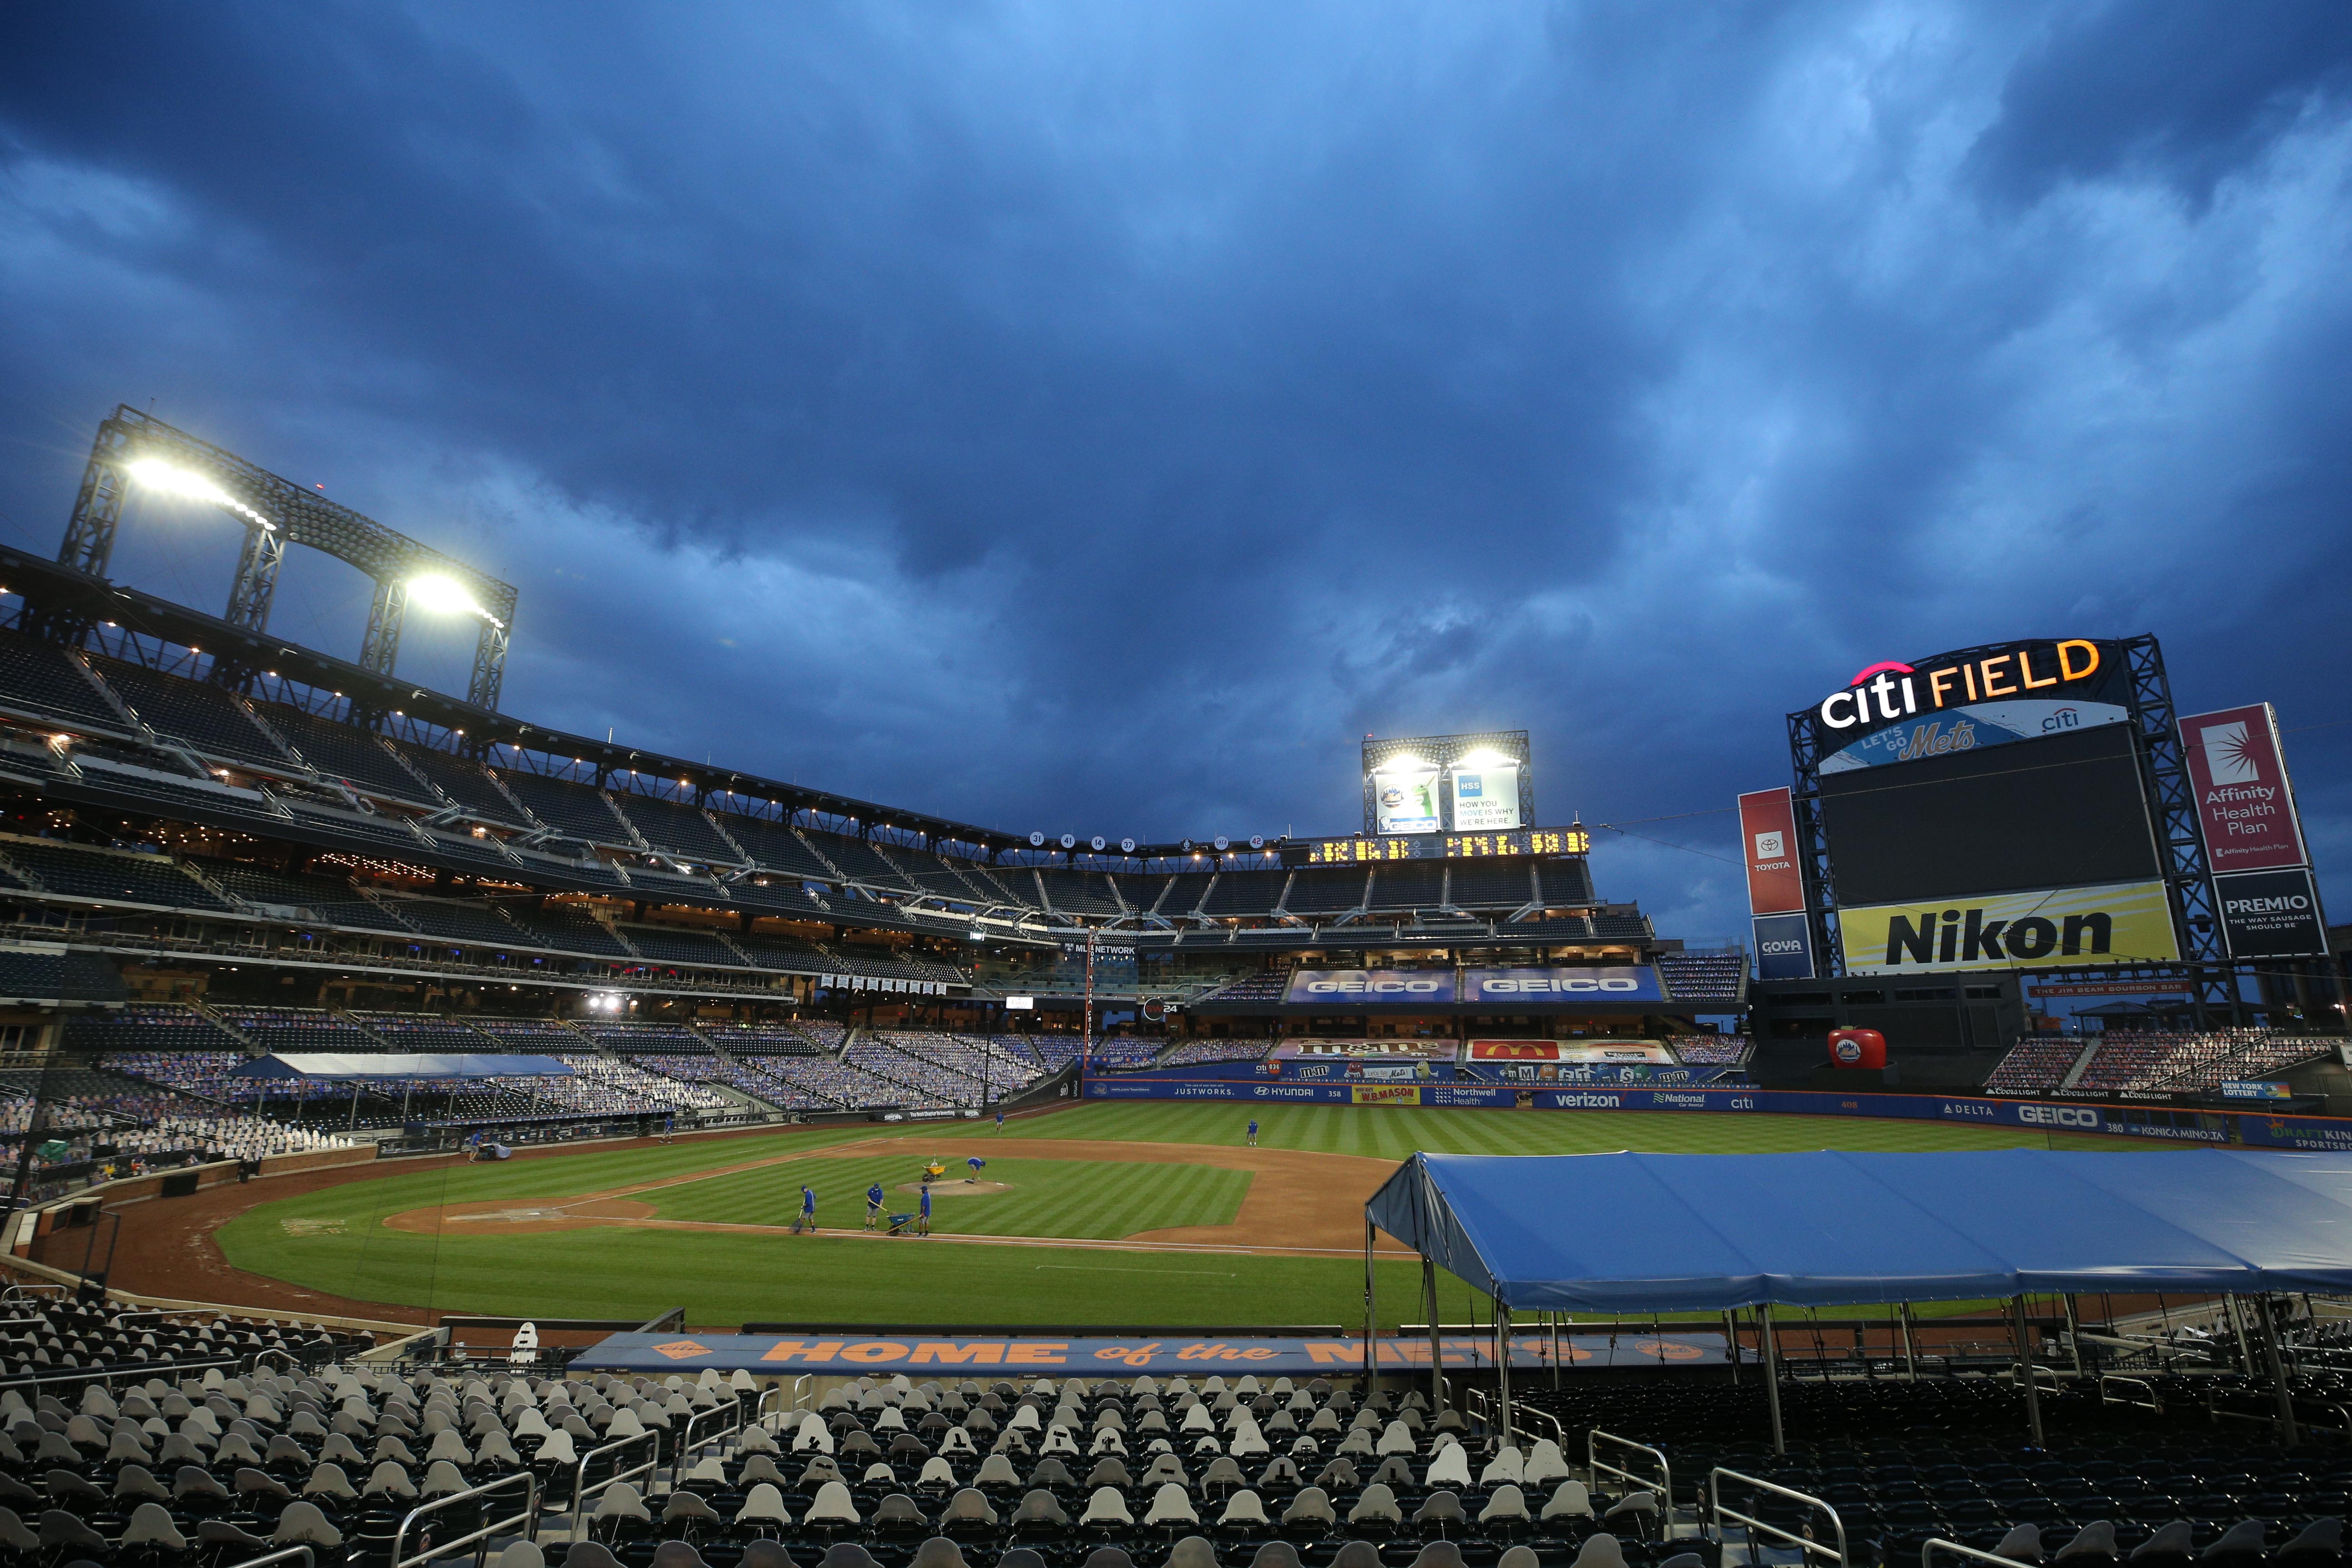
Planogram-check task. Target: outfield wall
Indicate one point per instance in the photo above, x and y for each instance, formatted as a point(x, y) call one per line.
point(2251, 1128)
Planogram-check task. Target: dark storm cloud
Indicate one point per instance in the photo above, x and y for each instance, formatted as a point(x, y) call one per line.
point(1101, 419)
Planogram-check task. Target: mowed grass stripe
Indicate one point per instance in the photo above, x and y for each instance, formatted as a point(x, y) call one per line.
point(1391, 1132)
point(1048, 1197)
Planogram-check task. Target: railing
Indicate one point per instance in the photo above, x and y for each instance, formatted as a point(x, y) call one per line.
point(2141, 1383)
point(283, 1555)
point(527, 1520)
point(1558, 1432)
point(138, 1374)
point(1936, 1543)
point(688, 1444)
point(1597, 1466)
point(581, 1490)
point(778, 1392)
point(1715, 1480)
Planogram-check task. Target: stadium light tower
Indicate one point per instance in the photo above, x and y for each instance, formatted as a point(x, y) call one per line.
point(133, 448)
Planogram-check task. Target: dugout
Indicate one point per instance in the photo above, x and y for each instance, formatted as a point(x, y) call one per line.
point(1748, 1233)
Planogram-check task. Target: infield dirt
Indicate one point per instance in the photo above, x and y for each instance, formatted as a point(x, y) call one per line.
point(1298, 1203)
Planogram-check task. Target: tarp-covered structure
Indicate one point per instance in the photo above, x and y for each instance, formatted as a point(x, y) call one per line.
point(362, 1067)
point(1639, 1233)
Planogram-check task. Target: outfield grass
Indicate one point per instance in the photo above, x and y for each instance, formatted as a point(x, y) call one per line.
point(1389, 1132)
point(1071, 1198)
point(334, 1240)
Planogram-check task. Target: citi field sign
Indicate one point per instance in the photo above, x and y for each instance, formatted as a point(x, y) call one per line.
point(1898, 710)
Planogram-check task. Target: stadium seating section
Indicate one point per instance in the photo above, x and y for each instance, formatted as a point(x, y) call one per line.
point(2152, 1063)
point(1704, 976)
point(208, 1456)
point(1714, 1050)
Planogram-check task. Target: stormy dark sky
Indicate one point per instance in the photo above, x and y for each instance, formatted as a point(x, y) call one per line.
point(1100, 417)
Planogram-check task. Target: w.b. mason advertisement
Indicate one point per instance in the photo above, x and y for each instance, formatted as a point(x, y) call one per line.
point(2121, 922)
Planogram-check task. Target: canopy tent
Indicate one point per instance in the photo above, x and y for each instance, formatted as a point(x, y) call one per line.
point(1620, 1232)
point(362, 1067)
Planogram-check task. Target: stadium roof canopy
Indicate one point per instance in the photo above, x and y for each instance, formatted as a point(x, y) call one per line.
point(1623, 1233)
point(387, 1065)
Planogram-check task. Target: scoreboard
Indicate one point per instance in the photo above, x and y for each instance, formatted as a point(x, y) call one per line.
point(1363, 850)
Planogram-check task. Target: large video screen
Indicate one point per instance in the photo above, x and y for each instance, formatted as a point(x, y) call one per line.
point(2054, 813)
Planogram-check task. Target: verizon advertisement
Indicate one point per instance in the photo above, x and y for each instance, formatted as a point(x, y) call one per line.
point(2244, 806)
point(1768, 827)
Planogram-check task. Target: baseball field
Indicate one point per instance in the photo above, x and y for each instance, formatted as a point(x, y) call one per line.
point(1139, 1214)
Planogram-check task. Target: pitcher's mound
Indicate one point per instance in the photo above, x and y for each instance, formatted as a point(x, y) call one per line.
point(955, 1189)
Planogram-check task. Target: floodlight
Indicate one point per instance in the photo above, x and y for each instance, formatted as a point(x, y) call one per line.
point(438, 595)
point(172, 481)
point(1484, 757)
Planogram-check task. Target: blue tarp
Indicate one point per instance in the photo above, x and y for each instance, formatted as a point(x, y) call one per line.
point(1638, 1233)
point(385, 1064)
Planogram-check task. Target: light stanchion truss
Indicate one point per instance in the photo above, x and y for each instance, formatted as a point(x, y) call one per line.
point(132, 446)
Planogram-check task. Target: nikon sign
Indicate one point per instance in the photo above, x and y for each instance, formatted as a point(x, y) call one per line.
point(2122, 922)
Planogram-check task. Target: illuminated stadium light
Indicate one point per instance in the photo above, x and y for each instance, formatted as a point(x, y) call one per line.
point(440, 594)
point(170, 479)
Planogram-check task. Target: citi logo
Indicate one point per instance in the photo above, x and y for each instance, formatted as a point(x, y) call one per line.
point(1887, 692)
point(1964, 936)
point(2057, 1116)
point(2064, 718)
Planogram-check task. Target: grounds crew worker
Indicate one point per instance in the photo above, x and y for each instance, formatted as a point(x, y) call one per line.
point(808, 1209)
point(873, 1204)
point(923, 1227)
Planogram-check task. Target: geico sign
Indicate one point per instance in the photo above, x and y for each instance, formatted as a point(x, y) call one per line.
point(2057, 1116)
point(1548, 987)
point(1887, 690)
point(1375, 987)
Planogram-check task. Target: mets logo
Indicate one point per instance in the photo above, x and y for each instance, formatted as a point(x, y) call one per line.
point(1847, 1050)
point(681, 1350)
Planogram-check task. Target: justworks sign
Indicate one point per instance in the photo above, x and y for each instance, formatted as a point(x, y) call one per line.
point(1890, 692)
point(2122, 922)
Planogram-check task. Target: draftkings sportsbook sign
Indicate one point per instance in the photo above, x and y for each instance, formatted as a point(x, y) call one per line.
point(2122, 922)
